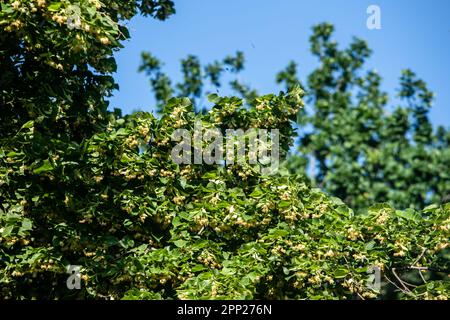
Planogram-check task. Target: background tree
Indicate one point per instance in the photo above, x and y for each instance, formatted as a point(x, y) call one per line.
point(359, 149)
point(195, 78)
point(351, 143)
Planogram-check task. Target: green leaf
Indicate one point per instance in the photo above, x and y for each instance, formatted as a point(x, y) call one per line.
point(284, 203)
point(111, 241)
point(214, 98)
point(7, 8)
point(54, 6)
point(340, 273)
point(28, 124)
point(180, 243)
point(370, 245)
point(126, 242)
point(408, 214)
point(176, 222)
point(198, 267)
point(7, 230)
point(431, 208)
point(257, 193)
point(26, 225)
point(46, 166)
point(228, 271)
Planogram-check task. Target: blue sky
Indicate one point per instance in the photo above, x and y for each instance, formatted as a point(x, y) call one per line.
point(414, 34)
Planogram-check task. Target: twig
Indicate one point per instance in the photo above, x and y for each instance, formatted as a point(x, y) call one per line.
point(418, 268)
point(403, 283)
point(420, 256)
point(421, 275)
point(395, 285)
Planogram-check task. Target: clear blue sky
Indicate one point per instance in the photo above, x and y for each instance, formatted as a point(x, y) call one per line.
point(414, 34)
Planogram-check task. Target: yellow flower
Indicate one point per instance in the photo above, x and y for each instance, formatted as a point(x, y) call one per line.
point(178, 199)
point(329, 253)
point(105, 40)
point(359, 256)
point(16, 24)
point(353, 234)
point(441, 246)
point(400, 253)
point(96, 3)
point(59, 18)
point(285, 196)
point(144, 131)
point(299, 247)
point(15, 5)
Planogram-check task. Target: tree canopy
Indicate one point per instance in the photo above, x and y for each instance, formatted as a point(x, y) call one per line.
point(351, 142)
point(84, 186)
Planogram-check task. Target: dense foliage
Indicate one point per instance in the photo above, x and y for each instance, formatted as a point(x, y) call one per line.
point(83, 186)
point(351, 144)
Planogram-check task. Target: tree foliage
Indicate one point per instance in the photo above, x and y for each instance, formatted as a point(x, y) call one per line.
point(363, 151)
point(83, 186)
point(351, 142)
